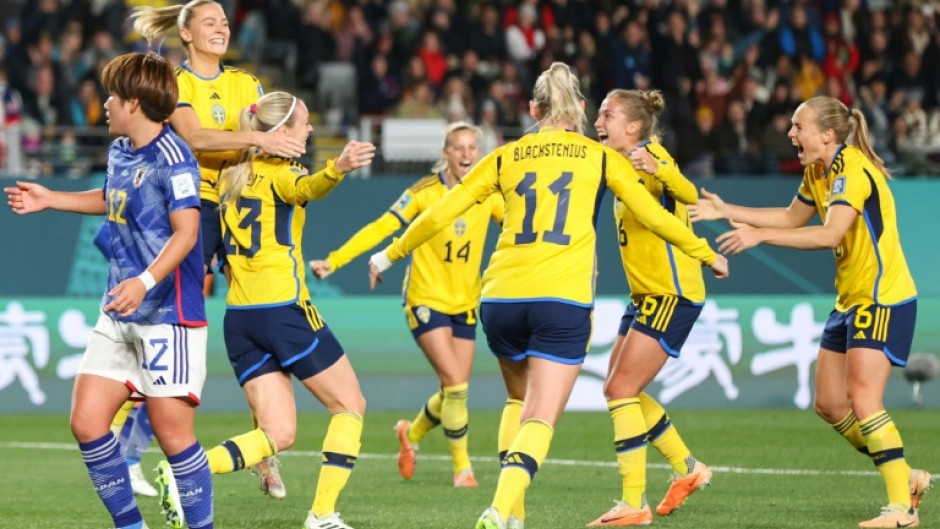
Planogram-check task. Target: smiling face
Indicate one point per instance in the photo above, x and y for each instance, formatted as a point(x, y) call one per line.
point(614, 129)
point(811, 143)
point(207, 32)
point(461, 152)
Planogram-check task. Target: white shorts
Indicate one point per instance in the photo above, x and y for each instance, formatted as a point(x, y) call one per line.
point(164, 360)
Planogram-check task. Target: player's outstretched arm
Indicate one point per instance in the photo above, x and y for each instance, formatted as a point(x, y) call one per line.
point(27, 197)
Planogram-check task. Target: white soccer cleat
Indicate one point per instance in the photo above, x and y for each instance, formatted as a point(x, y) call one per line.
point(514, 523)
point(490, 519)
point(329, 521)
point(139, 483)
point(271, 482)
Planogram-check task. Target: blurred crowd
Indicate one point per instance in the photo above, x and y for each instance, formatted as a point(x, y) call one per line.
point(732, 70)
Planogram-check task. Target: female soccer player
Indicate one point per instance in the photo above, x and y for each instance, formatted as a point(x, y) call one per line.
point(538, 291)
point(667, 292)
point(441, 294)
point(211, 97)
point(872, 325)
point(272, 330)
point(150, 338)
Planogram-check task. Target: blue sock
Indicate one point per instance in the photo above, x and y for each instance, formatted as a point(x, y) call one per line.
point(191, 470)
point(108, 471)
point(136, 434)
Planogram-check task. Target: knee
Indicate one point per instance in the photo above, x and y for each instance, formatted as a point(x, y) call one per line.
point(828, 412)
point(355, 403)
point(283, 438)
point(83, 431)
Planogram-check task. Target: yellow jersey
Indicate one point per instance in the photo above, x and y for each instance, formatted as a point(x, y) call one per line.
point(552, 183)
point(870, 265)
point(218, 103)
point(262, 232)
point(444, 272)
point(652, 265)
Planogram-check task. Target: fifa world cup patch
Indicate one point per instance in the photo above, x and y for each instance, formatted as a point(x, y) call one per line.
point(183, 186)
point(423, 313)
point(838, 186)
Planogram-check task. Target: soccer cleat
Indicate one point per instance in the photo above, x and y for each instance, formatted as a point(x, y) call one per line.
point(271, 482)
point(514, 523)
point(894, 516)
point(681, 487)
point(465, 478)
point(169, 496)
point(623, 515)
point(330, 521)
point(406, 450)
point(920, 482)
point(490, 519)
point(139, 483)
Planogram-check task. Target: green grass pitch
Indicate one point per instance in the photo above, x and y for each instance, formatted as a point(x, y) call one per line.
point(774, 469)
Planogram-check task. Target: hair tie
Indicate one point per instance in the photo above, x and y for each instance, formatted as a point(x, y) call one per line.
point(253, 109)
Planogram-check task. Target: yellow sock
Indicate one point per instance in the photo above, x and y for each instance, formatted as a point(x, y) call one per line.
point(427, 419)
point(887, 452)
point(121, 417)
point(528, 450)
point(241, 451)
point(664, 437)
point(849, 428)
point(455, 420)
point(340, 450)
point(508, 428)
point(630, 445)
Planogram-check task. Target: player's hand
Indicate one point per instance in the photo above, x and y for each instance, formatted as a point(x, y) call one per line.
point(281, 145)
point(321, 268)
point(736, 241)
point(27, 197)
point(378, 263)
point(709, 207)
point(355, 154)
point(643, 160)
point(720, 267)
point(126, 297)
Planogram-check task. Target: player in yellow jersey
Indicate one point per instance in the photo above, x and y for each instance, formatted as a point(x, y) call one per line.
point(211, 98)
point(667, 293)
point(272, 330)
point(538, 290)
point(441, 292)
point(872, 325)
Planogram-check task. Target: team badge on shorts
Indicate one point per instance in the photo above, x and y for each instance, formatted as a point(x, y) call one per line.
point(138, 177)
point(423, 313)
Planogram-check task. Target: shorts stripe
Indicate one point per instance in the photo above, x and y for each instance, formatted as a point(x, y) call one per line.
point(254, 368)
point(316, 322)
point(298, 356)
point(882, 320)
point(664, 314)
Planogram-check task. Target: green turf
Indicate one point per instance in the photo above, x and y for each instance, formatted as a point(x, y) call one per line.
point(832, 486)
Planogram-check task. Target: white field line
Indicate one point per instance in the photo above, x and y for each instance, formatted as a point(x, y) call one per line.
point(24, 445)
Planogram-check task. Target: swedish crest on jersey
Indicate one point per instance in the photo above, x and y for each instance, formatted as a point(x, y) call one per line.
point(218, 114)
point(460, 227)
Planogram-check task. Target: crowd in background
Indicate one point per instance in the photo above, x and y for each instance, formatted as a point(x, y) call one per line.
point(732, 71)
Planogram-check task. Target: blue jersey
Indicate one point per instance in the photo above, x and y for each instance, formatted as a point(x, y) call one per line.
point(142, 188)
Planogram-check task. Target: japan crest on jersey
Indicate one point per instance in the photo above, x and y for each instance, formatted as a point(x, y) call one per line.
point(138, 177)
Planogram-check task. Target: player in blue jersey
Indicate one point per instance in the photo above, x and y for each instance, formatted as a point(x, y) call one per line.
point(150, 339)
point(131, 424)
